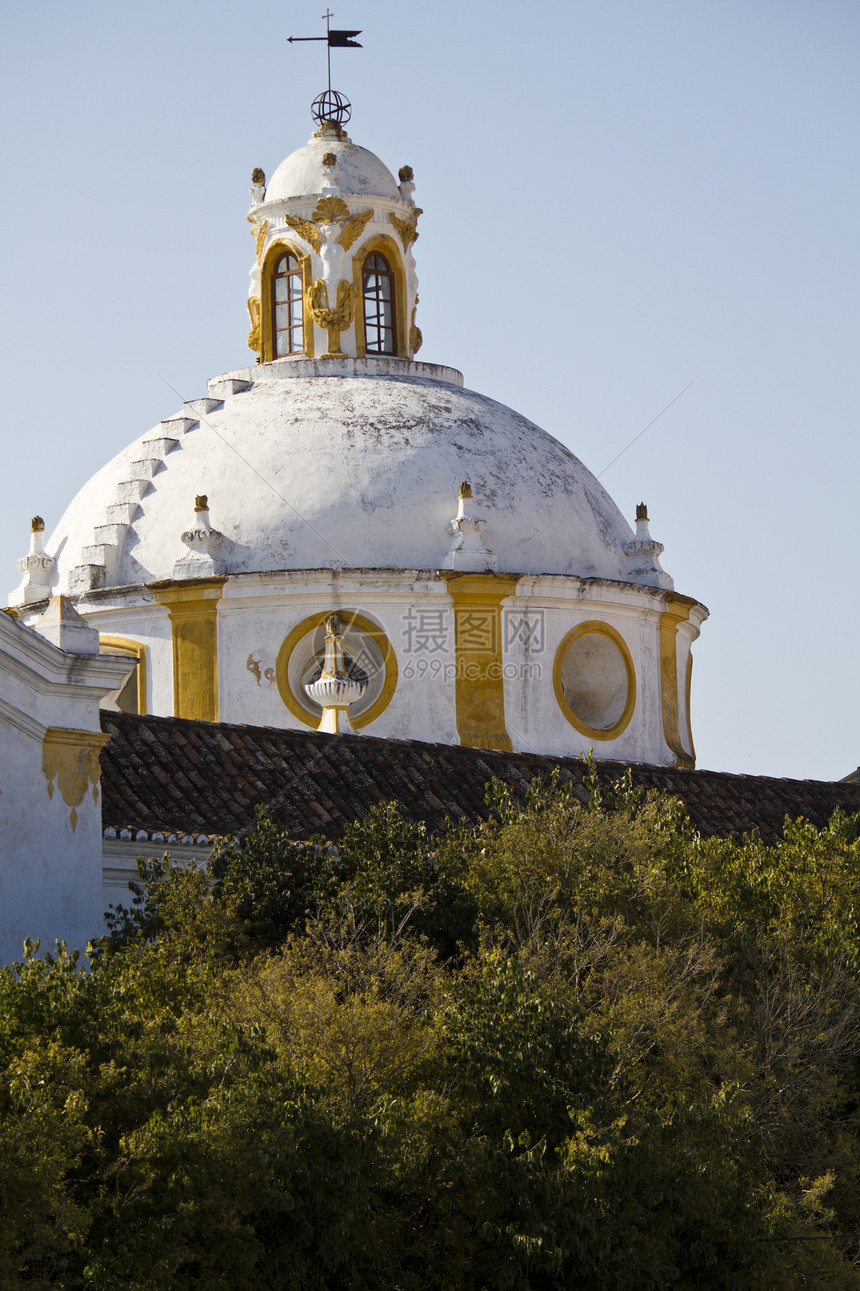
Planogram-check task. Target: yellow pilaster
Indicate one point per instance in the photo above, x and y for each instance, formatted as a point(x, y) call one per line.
point(193, 613)
point(479, 681)
point(677, 611)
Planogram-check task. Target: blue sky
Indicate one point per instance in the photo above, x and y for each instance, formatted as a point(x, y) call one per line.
point(619, 198)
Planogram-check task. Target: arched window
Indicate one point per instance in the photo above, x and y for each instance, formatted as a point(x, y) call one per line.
point(287, 321)
point(378, 305)
point(132, 694)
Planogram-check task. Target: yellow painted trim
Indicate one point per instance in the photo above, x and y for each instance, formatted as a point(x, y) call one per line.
point(677, 611)
point(71, 757)
point(299, 708)
point(276, 249)
point(688, 689)
point(479, 687)
point(593, 627)
point(193, 610)
point(386, 246)
point(125, 645)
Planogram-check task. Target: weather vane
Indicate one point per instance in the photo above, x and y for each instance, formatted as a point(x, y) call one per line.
point(331, 105)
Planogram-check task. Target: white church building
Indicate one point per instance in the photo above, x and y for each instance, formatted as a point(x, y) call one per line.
point(479, 585)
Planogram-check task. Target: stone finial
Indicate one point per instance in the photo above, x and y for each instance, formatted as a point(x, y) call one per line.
point(406, 176)
point(330, 187)
point(257, 191)
point(468, 550)
point(644, 554)
point(202, 542)
point(63, 626)
point(37, 567)
point(334, 690)
point(329, 129)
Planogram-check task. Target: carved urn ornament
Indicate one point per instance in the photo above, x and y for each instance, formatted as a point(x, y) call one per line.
point(334, 690)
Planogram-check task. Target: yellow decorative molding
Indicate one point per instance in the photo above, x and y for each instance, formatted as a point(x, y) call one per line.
point(306, 229)
point(260, 232)
point(386, 246)
point(408, 229)
point(276, 249)
point(416, 340)
point(688, 688)
point(125, 645)
point(193, 610)
point(71, 758)
point(479, 691)
point(354, 227)
point(298, 704)
point(255, 340)
point(330, 210)
point(334, 320)
point(677, 611)
point(596, 628)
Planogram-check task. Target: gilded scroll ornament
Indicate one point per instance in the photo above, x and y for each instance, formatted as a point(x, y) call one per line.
point(354, 227)
point(260, 237)
point(255, 336)
point(71, 758)
point(330, 210)
point(333, 320)
point(416, 340)
point(321, 227)
point(408, 229)
point(305, 229)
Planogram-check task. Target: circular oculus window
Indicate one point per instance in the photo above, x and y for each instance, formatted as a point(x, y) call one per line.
point(594, 680)
point(368, 655)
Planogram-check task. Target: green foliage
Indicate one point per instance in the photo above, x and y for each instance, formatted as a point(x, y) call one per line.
point(574, 1047)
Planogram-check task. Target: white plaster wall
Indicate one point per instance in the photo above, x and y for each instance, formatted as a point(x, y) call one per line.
point(256, 615)
point(256, 612)
point(50, 873)
point(554, 606)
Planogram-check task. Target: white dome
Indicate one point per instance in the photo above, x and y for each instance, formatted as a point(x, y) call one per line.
point(350, 463)
point(358, 171)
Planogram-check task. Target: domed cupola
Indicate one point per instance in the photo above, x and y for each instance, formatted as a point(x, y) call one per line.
point(334, 273)
point(341, 533)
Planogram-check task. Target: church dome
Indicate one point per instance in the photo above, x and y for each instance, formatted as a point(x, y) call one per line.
point(359, 171)
point(347, 463)
point(342, 537)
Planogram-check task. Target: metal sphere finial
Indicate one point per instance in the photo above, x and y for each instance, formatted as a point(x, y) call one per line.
point(331, 105)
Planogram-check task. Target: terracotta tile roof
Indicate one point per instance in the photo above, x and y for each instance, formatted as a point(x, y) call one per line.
point(171, 776)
